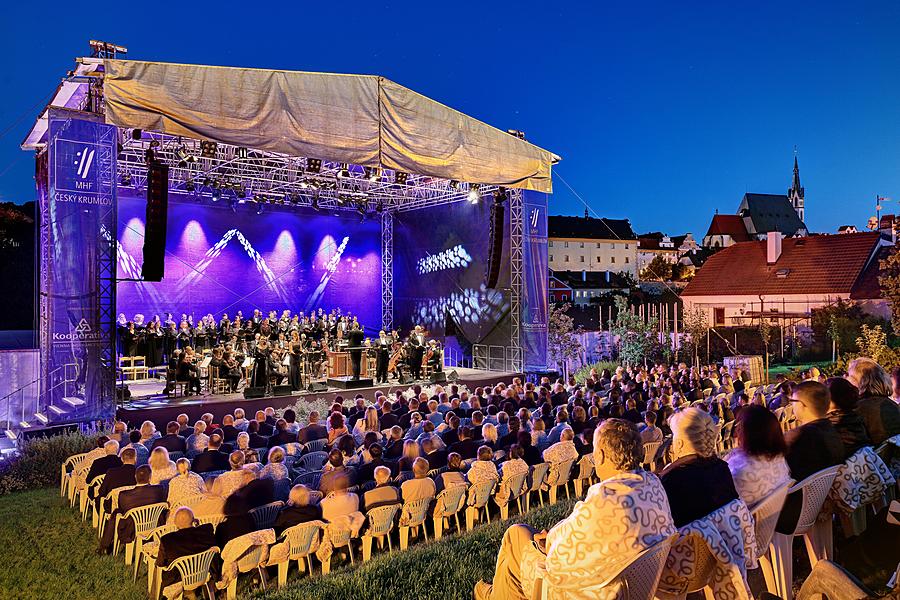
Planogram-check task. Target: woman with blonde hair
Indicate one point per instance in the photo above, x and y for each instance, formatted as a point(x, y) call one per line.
point(275, 467)
point(162, 469)
point(880, 414)
point(410, 454)
point(198, 441)
point(231, 481)
point(698, 482)
point(489, 434)
point(368, 423)
point(149, 434)
point(185, 484)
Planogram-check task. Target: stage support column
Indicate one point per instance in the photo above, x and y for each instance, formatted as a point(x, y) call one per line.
point(387, 271)
point(77, 206)
point(536, 303)
point(516, 281)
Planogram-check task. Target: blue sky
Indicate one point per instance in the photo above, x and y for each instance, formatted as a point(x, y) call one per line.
point(662, 111)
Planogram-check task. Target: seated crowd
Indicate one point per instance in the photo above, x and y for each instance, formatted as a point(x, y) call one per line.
point(399, 449)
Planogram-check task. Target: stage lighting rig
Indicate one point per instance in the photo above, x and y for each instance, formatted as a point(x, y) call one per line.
point(474, 194)
point(126, 179)
point(242, 152)
point(313, 165)
point(241, 191)
point(208, 148)
point(315, 202)
point(500, 196)
point(184, 157)
point(454, 185)
point(189, 185)
point(373, 174)
point(344, 171)
point(400, 177)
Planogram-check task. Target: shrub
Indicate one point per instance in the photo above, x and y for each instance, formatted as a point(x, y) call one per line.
point(582, 374)
point(38, 462)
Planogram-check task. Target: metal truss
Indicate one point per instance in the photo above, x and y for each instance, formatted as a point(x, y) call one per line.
point(45, 252)
point(230, 173)
point(106, 258)
point(516, 241)
point(387, 271)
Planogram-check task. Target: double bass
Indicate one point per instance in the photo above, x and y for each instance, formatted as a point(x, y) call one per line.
point(396, 356)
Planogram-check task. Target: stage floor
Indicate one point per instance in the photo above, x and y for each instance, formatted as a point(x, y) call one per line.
point(147, 401)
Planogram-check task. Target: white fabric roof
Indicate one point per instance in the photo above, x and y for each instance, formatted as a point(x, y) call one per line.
point(358, 119)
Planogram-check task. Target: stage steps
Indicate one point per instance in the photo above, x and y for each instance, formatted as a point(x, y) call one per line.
point(73, 401)
point(57, 410)
point(42, 418)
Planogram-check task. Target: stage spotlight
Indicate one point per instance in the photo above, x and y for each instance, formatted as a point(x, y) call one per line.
point(313, 165)
point(208, 148)
point(454, 185)
point(379, 207)
point(241, 191)
point(184, 157)
point(341, 199)
point(474, 194)
point(216, 194)
point(344, 171)
point(189, 185)
point(242, 152)
point(126, 179)
point(136, 134)
point(500, 196)
point(373, 174)
point(400, 177)
point(207, 182)
point(154, 143)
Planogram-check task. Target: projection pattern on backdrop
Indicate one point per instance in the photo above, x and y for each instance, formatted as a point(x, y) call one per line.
point(440, 260)
point(452, 258)
point(218, 261)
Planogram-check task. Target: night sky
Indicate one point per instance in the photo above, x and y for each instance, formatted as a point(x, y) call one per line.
point(662, 111)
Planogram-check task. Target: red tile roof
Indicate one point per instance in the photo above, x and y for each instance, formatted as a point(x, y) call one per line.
point(732, 225)
point(824, 264)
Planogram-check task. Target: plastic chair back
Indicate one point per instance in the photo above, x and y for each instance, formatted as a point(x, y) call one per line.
point(194, 569)
point(381, 520)
point(452, 499)
point(537, 476)
point(650, 449)
point(515, 485)
point(704, 564)
point(641, 576)
point(301, 539)
point(146, 517)
point(815, 490)
point(188, 501)
point(310, 479)
point(765, 515)
point(214, 520)
point(264, 516)
point(586, 466)
point(340, 537)
point(314, 461)
point(480, 493)
point(560, 472)
point(415, 512)
point(315, 445)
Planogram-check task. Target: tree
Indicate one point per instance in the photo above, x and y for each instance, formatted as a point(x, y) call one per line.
point(889, 281)
point(872, 342)
point(658, 269)
point(696, 325)
point(637, 337)
point(765, 334)
point(562, 343)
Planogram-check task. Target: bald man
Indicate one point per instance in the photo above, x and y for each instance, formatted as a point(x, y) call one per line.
point(189, 538)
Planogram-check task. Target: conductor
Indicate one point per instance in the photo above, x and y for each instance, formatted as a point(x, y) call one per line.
point(355, 341)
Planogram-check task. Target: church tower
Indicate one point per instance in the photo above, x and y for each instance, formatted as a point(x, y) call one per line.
point(795, 194)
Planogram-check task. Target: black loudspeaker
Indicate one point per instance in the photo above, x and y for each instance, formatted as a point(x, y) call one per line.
point(438, 377)
point(282, 390)
point(452, 376)
point(404, 380)
point(316, 387)
point(155, 224)
point(496, 244)
point(254, 392)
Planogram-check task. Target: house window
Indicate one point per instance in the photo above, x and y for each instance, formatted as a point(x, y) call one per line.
point(581, 244)
point(566, 244)
point(612, 259)
point(626, 246)
point(612, 246)
point(599, 259)
point(566, 258)
point(598, 245)
point(719, 316)
point(582, 258)
point(626, 260)
point(551, 243)
point(564, 297)
point(551, 258)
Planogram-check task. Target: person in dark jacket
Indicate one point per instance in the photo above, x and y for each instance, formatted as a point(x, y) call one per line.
point(103, 464)
point(116, 478)
point(256, 440)
point(172, 441)
point(282, 436)
point(142, 494)
point(298, 509)
point(812, 447)
point(842, 414)
point(189, 538)
point(880, 414)
point(313, 431)
point(211, 459)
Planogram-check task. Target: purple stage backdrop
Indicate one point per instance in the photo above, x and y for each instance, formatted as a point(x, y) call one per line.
point(219, 261)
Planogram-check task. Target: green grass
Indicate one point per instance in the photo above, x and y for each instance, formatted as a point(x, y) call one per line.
point(447, 568)
point(47, 552)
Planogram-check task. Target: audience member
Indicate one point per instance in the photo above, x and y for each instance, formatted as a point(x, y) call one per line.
point(757, 464)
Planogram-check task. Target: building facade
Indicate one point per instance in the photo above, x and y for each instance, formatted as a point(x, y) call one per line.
point(592, 245)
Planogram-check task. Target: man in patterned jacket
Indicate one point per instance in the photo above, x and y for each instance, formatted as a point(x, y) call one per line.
point(623, 515)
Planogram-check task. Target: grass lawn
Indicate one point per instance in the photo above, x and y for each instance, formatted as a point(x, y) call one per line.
point(47, 552)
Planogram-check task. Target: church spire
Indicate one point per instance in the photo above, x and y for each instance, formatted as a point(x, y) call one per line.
point(795, 184)
point(796, 193)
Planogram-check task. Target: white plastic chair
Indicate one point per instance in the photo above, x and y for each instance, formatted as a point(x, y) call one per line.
point(638, 579)
point(585, 472)
point(536, 480)
point(301, 541)
point(413, 518)
point(69, 467)
point(264, 516)
point(479, 495)
point(701, 575)
point(145, 557)
point(513, 487)
point(85, 503)
point(381, 523)
point(765, 516)
point(314, 461)
point(315, 445)
point(557, 477)
point(146, 519)
point(194, 571)
point(339, 538)
point(448, 504)
point(251, 560)
point(776, 564)
point(650, 450)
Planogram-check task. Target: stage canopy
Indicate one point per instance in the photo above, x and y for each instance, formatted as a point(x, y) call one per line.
point(358, 119)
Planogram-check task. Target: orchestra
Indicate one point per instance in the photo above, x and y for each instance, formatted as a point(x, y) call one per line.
point(272, 349)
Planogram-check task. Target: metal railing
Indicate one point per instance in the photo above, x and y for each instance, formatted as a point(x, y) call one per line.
point(455, 358)
point(496, 358)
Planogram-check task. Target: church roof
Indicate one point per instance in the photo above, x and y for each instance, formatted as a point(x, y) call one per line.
point(771, 212)
point(732, 225)
point(561, 226)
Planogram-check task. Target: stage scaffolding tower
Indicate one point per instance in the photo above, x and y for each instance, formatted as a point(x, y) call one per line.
point(387, 271)
point(516, 240)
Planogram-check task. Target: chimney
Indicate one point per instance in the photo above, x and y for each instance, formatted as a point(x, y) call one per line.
point(773, 247)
